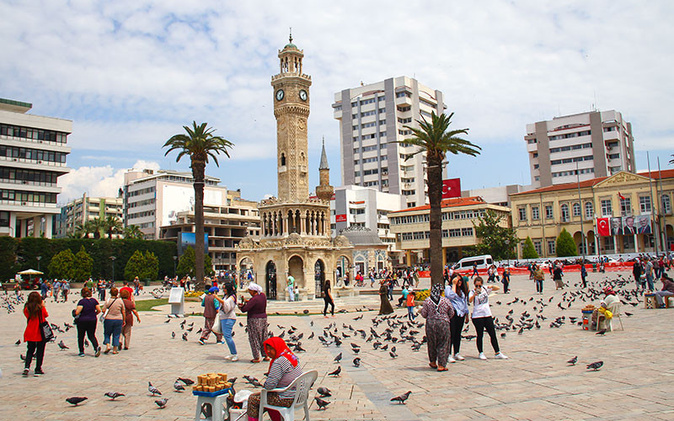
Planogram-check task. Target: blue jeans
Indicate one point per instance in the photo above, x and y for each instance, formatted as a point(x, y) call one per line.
point(112, 328)
point(227, 325)
point(410, 312)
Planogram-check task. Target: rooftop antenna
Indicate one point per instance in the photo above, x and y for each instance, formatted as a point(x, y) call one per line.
point(290, 38)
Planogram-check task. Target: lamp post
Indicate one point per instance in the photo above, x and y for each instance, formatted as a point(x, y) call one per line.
point(113, 258)
point(38, 262)
point(175, 259)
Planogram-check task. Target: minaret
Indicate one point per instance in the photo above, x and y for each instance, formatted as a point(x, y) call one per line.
point(324, 190)
point(291, 109)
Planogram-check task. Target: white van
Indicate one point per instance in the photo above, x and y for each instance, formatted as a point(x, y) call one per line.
point(482, 262)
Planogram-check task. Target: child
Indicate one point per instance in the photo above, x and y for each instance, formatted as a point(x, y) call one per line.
point(410, 304)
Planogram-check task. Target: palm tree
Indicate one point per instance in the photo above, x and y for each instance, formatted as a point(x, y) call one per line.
point(200, 145)
point(113, 225)
point(133, 232)
point(94, 226)
point(435, 139)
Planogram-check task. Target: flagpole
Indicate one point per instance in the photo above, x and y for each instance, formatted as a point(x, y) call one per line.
point(661, 213)
point(580, 203)
point(650, 191)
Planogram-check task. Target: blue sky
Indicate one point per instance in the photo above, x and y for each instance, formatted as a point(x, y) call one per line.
point(132, 73)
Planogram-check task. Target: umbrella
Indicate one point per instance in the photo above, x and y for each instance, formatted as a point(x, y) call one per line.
point(31, 272)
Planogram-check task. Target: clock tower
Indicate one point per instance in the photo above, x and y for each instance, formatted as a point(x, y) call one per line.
point(291, 109)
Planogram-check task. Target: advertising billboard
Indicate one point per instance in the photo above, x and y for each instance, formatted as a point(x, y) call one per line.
point(187, 239)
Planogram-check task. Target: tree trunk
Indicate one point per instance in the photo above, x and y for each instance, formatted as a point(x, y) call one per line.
point(198, 170)
point(434, 172)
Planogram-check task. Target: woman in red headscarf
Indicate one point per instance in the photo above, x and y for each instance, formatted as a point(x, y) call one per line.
point(283, 370)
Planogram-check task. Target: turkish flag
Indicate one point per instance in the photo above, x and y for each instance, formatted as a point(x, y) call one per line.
point(451, 188)
point(603, 227)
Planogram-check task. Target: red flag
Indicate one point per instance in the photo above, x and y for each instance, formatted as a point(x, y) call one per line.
point(451, 188)
point(340, 218)
point(603, 227)
point(621, 196)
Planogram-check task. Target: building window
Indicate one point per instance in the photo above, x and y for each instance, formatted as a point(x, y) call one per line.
point(535, 213)
point(606, 208)
point(666, 204)
point(523, 214)
point(565, 213)
point(626, 206)
point(552, 247)
point(538, 247)
point(645, 204)
point(576, 209)
point(548, 212)
point(589, 210)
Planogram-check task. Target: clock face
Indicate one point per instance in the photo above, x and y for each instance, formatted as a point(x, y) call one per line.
point(303, 95)
point(279, 94)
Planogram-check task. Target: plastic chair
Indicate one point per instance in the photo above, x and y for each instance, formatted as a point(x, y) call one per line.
point(608, 323)
point(302, 384)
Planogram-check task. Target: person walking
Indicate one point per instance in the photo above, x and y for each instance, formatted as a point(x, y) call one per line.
point(327, 298)
point(482, 318)
point(457, 293)
point(291, 288)
point(211, 306)
point(86, 311)
point(409, 302)
point(505, 280)
point(437, 310)
point(636, 272)
point(557, 274)
point(385, 305)
point(129, 312)
point(583, 275)
point(256, 309)
point(65, 289)
point(539, 277)
point(649, 274)
point(36, 313)
point(101, 290)
point(228, 318)
point(114, 311)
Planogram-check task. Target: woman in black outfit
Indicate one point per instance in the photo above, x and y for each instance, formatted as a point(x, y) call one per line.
point(87, 309)
point(327, 298)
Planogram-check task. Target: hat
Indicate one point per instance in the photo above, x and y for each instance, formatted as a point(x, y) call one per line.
point(254, 287)
point(213, 290)
point(608, 291)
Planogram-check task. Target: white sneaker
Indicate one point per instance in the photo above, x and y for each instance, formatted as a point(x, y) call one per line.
point(235, 358)
point(458, 357)
point(228, 357)
point(451, 359)
point(482, 356)
point(500, 356)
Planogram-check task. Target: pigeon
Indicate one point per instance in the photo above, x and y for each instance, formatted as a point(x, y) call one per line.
point(173, 335)
point(76, 400)
point(336, 372)
point(393, 354)
point(595, 365)
point(187, 381)
point(402, 398)
point(356, 362)
point(185, 336)
point(19, 341)
point(573, 360)
point(114, 395)
point(161, 403)
point(324, 392)
point(321, 403)
point(153, 389)
point(178, 387)
point(628, 314)
point(601, 332)
point(338, 358)
point(62, 345)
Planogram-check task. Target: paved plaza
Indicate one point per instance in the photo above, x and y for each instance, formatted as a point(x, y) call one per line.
point(636, 381)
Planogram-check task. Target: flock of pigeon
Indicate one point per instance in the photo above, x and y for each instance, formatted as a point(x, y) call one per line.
point(178, 386)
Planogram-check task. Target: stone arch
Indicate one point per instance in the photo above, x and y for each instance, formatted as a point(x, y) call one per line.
point(578, 239)
point(343, 269)
point(245, 266)
point(270, 280)
point(296, 270)
point(319, 277)
point(283, 159)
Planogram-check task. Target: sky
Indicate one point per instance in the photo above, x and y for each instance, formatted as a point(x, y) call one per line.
point(131, 73)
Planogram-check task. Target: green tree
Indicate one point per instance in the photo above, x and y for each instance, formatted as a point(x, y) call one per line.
point(113, 225)
point(82, 265)
point(565, 245)
point(133, 232)
point(143, 265)
point(151, 266)
point(200, 145)
point(8, 256)
point(435, 140)
point(495, 239)
point(186, 263)
point(62, 265)
point(529, 251)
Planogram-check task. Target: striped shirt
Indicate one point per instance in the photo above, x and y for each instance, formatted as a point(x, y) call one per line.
point(281, 374)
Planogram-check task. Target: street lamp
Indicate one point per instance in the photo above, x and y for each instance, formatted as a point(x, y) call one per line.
point(38, 262)
point(113, 258)
point(175, 259)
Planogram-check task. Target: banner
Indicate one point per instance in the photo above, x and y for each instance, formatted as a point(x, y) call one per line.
point(340, 218)
point(628, 226)
point(643, 224)
point(603, 228)
point(451, 188)
point(616, 226)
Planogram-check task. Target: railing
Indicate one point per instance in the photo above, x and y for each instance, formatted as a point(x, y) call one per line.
point(27, 183)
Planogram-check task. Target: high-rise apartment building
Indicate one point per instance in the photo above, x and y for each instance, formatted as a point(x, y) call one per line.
point(33, 155)
point(372, 119)
point(590, 145)
point(76, 213)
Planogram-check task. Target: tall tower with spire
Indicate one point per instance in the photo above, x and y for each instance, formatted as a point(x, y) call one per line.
point(291, 109)
point(324, 190)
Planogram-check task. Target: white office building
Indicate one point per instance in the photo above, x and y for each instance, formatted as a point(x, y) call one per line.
point(372, 118)
point(579, 146)
point(33, 155)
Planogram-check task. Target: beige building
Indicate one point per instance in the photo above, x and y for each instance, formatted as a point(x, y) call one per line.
point(295, 238)
point(78, 212)
point(586, 146)
point(624, 198)
point(33, 151)
point(412, 230)
point(225, 227)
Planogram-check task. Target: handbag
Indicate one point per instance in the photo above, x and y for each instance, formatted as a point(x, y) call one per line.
point(217, 327)
point(45, 329)
point(76, 316)
point(105, 314)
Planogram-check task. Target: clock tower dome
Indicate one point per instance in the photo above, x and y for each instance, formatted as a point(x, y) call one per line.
point(291, 109)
